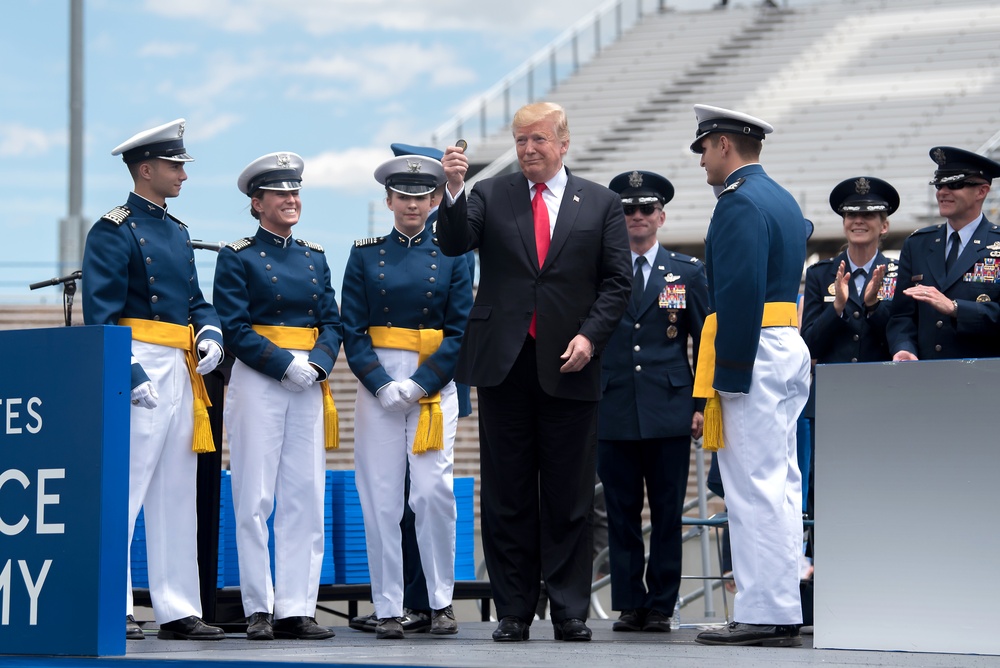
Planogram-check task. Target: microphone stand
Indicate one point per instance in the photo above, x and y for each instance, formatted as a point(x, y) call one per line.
point(69, 290)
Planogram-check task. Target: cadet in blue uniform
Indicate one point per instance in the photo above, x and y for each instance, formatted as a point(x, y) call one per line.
point(280, 318)
point(404, 309)
point(647, 415)
point(946, 304)
point(754, 367)
point(139, 271)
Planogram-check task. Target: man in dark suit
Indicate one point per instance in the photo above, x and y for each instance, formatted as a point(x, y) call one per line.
point(947, 304)
point(647, 415)
point(554, 280)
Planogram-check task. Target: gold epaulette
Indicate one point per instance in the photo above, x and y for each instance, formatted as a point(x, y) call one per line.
point(310, 245)
point(369, 241)
point(117, 215)
point(241, 244)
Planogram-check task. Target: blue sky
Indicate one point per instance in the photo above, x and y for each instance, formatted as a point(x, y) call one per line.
point(334, 80)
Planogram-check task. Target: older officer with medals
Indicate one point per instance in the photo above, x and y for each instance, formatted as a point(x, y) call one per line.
point(946, 304)
point(280, 319)
point(753, 367)
point(647, 415)
point(139, 272)
point(405, 306)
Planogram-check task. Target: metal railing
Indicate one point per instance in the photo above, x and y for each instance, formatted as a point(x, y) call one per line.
point(537, 76)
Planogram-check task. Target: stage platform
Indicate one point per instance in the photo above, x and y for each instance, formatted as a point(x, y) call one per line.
point(473, 646)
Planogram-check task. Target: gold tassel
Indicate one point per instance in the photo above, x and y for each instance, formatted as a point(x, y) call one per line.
point(430, 426)
point(331, 423)
point(202, 441)
point(713, 425)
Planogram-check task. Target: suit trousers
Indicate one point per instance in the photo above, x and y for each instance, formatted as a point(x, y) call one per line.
point(537, 459)
point(383, 447)
point(660, 465)
point(763, 485)
point(162, 481)
point(276, 453)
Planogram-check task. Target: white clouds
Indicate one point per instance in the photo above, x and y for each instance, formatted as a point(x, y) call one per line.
point(351, 170)
point(165, 49)
point(18, 140)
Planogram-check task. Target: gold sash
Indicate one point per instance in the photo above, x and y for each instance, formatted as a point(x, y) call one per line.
point(424, 342)
point(182, 337)
point(776, 314)
point(304, 338)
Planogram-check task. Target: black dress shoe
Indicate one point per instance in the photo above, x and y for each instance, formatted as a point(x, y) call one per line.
point(443, 622)
point(629, 620)
point(366, 623)
point(389, 628)
point(415, 621)
point(301, 628)
point(571, 629)
point(189, 628)
point(511, 629)
point(765, 635)
point(656, 622)
point(132, 629)
point(259, 626)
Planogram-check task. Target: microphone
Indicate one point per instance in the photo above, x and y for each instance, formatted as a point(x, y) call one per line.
point(208, 245)
point(56, 281)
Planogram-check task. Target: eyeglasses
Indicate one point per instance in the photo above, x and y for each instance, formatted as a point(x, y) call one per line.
point(958, 185)
point(646, 209)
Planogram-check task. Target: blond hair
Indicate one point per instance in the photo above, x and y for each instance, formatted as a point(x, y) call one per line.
point(532, 113)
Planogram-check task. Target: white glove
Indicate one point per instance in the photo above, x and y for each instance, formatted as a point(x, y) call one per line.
point(391, 399)
point(144, 394)
point(211, 355)
point(410, 391)
point(299, 376)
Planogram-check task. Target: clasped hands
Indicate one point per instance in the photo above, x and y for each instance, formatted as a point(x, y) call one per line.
point(399, 394)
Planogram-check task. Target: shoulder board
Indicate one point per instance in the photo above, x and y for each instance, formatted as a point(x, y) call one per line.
point(928, 229)
point(310, 245)
point(733, 187)
point(176, 220)
point(681, 257)
point(369, 241)
point(117, 215)
point(241, 244)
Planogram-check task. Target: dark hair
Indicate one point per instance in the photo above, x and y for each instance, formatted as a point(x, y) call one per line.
point(257, 194)
point(745, 145)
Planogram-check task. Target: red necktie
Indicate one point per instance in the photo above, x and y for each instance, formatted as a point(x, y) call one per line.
point(542, 238)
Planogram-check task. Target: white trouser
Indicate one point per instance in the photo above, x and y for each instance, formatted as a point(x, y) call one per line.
point(163, 482)
point(276, 450)
point(763, 485)
point(383, 443)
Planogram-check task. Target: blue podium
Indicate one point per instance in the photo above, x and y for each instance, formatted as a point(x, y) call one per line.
point(64, 427)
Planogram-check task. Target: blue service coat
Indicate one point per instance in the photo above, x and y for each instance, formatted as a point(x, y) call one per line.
point(395, 281)
point(754, 253)
point(856, 336)
point(269, 280)
point(138, 263)
point(973, 282)
point(645, 371)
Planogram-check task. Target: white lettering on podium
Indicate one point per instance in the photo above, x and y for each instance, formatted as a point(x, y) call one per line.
point(14, 421)
point(41, 500)
point(34, 589)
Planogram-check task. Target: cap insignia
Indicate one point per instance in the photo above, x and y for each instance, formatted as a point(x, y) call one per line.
point(413, 166)
point(284, 160)
point(939, 156)
point(862, 186)
point(635, 179)
point(180, 130)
